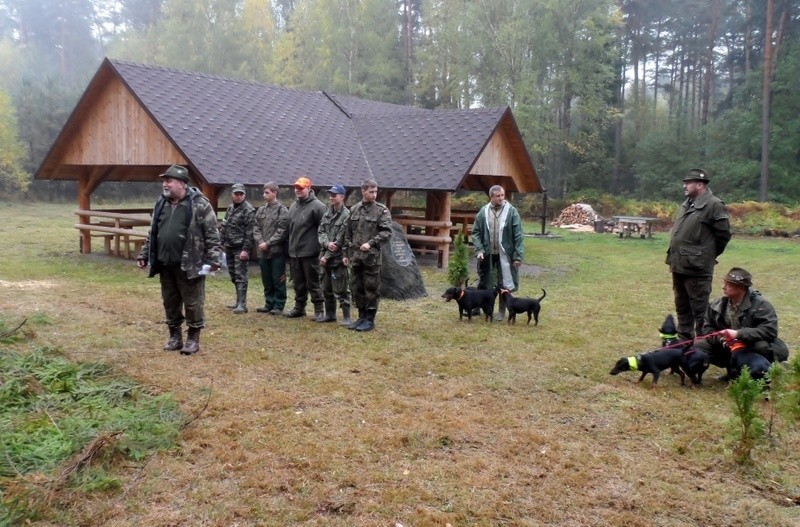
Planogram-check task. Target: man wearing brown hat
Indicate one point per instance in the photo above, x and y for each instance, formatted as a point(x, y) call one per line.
point(700, 234)
point(237, 238)
point(741, 314)
point(183, 239)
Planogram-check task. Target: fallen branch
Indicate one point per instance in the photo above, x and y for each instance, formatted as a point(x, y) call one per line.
point(9, 333)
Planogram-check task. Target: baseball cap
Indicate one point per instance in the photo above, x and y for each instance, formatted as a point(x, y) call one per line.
point(237, 187)
point(697, 174)
point(739, 276)
point(337, 189)
point(302, 182)
point(177, 172)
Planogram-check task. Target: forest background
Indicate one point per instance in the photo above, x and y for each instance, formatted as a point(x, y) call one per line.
point(611, 96)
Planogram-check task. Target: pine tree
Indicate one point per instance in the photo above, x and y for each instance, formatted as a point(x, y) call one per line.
point(458, 267)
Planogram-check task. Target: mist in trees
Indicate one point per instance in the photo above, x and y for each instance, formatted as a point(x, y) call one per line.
point(618, 96)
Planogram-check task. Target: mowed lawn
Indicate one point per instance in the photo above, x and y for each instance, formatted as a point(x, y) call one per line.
point(427, 421)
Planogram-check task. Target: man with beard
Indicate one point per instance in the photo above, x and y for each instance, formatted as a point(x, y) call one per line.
point(183, 244)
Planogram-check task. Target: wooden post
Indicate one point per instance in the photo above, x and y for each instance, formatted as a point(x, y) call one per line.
point(88, 183)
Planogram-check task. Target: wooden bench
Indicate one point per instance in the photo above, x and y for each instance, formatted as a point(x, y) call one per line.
point(116, 227)
point(434, 237)
point(642, 225)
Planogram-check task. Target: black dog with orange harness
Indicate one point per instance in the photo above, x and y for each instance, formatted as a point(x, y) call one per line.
point(470, 299)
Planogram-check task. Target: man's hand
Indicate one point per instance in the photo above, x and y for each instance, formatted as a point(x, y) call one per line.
point(214, 268)
point(729, 334)
point(517, 264)
point(346, 261)
point(365, 247)
point(263, 246)
point(479, 256)
point(323, 261)
point(244, 256)
point(141, 264)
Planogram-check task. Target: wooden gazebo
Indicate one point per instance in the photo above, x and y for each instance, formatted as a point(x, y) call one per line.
point(133, 121)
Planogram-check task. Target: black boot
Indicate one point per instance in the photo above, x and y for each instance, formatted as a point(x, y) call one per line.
point(192, 345)
point(368, 324)
point(319, 313)
point(296, 312)
point(175, 341)
point(241, 293)
point(330, 312)
point(236, 303)
point(346, 316)
point(362, 315)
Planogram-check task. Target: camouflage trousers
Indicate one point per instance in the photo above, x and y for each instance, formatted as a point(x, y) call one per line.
point(366, 278)
point(335, 285)
point(180, 294)
point(237, 268)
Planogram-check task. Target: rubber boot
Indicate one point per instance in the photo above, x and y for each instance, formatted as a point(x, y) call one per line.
point(319, 313)
point(175, 341)
point(238, 299)
point(362, 315)
point(501, 310)
point(192, 345)
point(346, 316)
point(368, 323)
point(296, 312)
point(330, 311)
point(241, 292)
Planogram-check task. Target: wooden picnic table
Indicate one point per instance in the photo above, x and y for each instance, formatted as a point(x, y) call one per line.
point(642, 225)
point(113, 227)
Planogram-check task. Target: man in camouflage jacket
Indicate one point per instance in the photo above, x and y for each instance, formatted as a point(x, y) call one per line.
point(369, 226)
point(183, 238)
point(237, 238)
point(331, 240)
point(270, 232)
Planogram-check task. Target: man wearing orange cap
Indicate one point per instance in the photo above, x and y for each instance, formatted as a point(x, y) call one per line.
point(304, 217)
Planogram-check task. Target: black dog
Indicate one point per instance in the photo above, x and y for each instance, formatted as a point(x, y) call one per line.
point(515, 306)
point(694, 362)
point(470, 299)
point(758, 364)
point(653, 362)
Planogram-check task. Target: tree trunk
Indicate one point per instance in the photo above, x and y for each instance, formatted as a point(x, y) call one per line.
point(709, 68)
point(765, 104)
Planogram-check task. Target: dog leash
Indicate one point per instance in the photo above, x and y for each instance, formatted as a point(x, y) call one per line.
point(684, 343)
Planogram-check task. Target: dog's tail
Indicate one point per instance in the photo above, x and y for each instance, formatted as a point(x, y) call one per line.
point(544, 294)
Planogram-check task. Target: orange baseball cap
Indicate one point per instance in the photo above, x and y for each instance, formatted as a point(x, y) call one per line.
point(303, 182)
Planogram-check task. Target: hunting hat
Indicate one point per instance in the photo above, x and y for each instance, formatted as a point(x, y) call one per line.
point(177, 172)
point(237, 187)
point(337, 189)
point(697, 174)
point(739, 276)
point(302, 182)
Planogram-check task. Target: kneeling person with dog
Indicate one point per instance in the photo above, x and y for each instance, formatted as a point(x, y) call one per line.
point(498, 240)
point(743, 320)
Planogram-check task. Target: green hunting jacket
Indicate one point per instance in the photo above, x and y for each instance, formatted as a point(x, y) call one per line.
point(332, 229)
point(271, 227)
point(700, 234)
point(202, 244)
point(304, 218)
point(757, 318)
point(512, 238)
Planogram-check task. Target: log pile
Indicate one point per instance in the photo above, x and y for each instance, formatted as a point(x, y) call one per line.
point(577, 214)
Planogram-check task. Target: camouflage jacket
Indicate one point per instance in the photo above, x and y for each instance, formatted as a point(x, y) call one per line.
point(237, 227)
point(332, 229)
point(202, 245)
point(270, 227)
point(368, 223)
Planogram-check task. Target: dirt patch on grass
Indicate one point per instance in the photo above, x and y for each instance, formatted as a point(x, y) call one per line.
point(26, 285)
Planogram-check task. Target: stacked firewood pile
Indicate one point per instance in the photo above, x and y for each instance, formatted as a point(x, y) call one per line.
point(577, 214)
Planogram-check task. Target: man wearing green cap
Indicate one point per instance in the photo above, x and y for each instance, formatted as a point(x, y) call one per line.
point(237, 239)
point(744, 315)
point(331, 233)
point(182, 246)
point(700, 234)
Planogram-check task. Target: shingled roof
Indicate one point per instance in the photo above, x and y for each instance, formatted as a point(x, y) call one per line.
point(231, 131)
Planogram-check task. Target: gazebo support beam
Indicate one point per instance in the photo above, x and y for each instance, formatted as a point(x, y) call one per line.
point(87, 184)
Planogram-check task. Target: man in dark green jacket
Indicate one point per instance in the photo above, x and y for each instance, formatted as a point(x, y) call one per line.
point(183, 245)
point(304, 217)
point(699, 235)
point(741, 314)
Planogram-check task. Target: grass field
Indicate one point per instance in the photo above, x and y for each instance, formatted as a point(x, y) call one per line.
point(427, 421)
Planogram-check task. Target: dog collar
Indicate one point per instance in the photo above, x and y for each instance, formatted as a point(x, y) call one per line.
point(668, 336)
point(633, 363)
point(463, 292)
